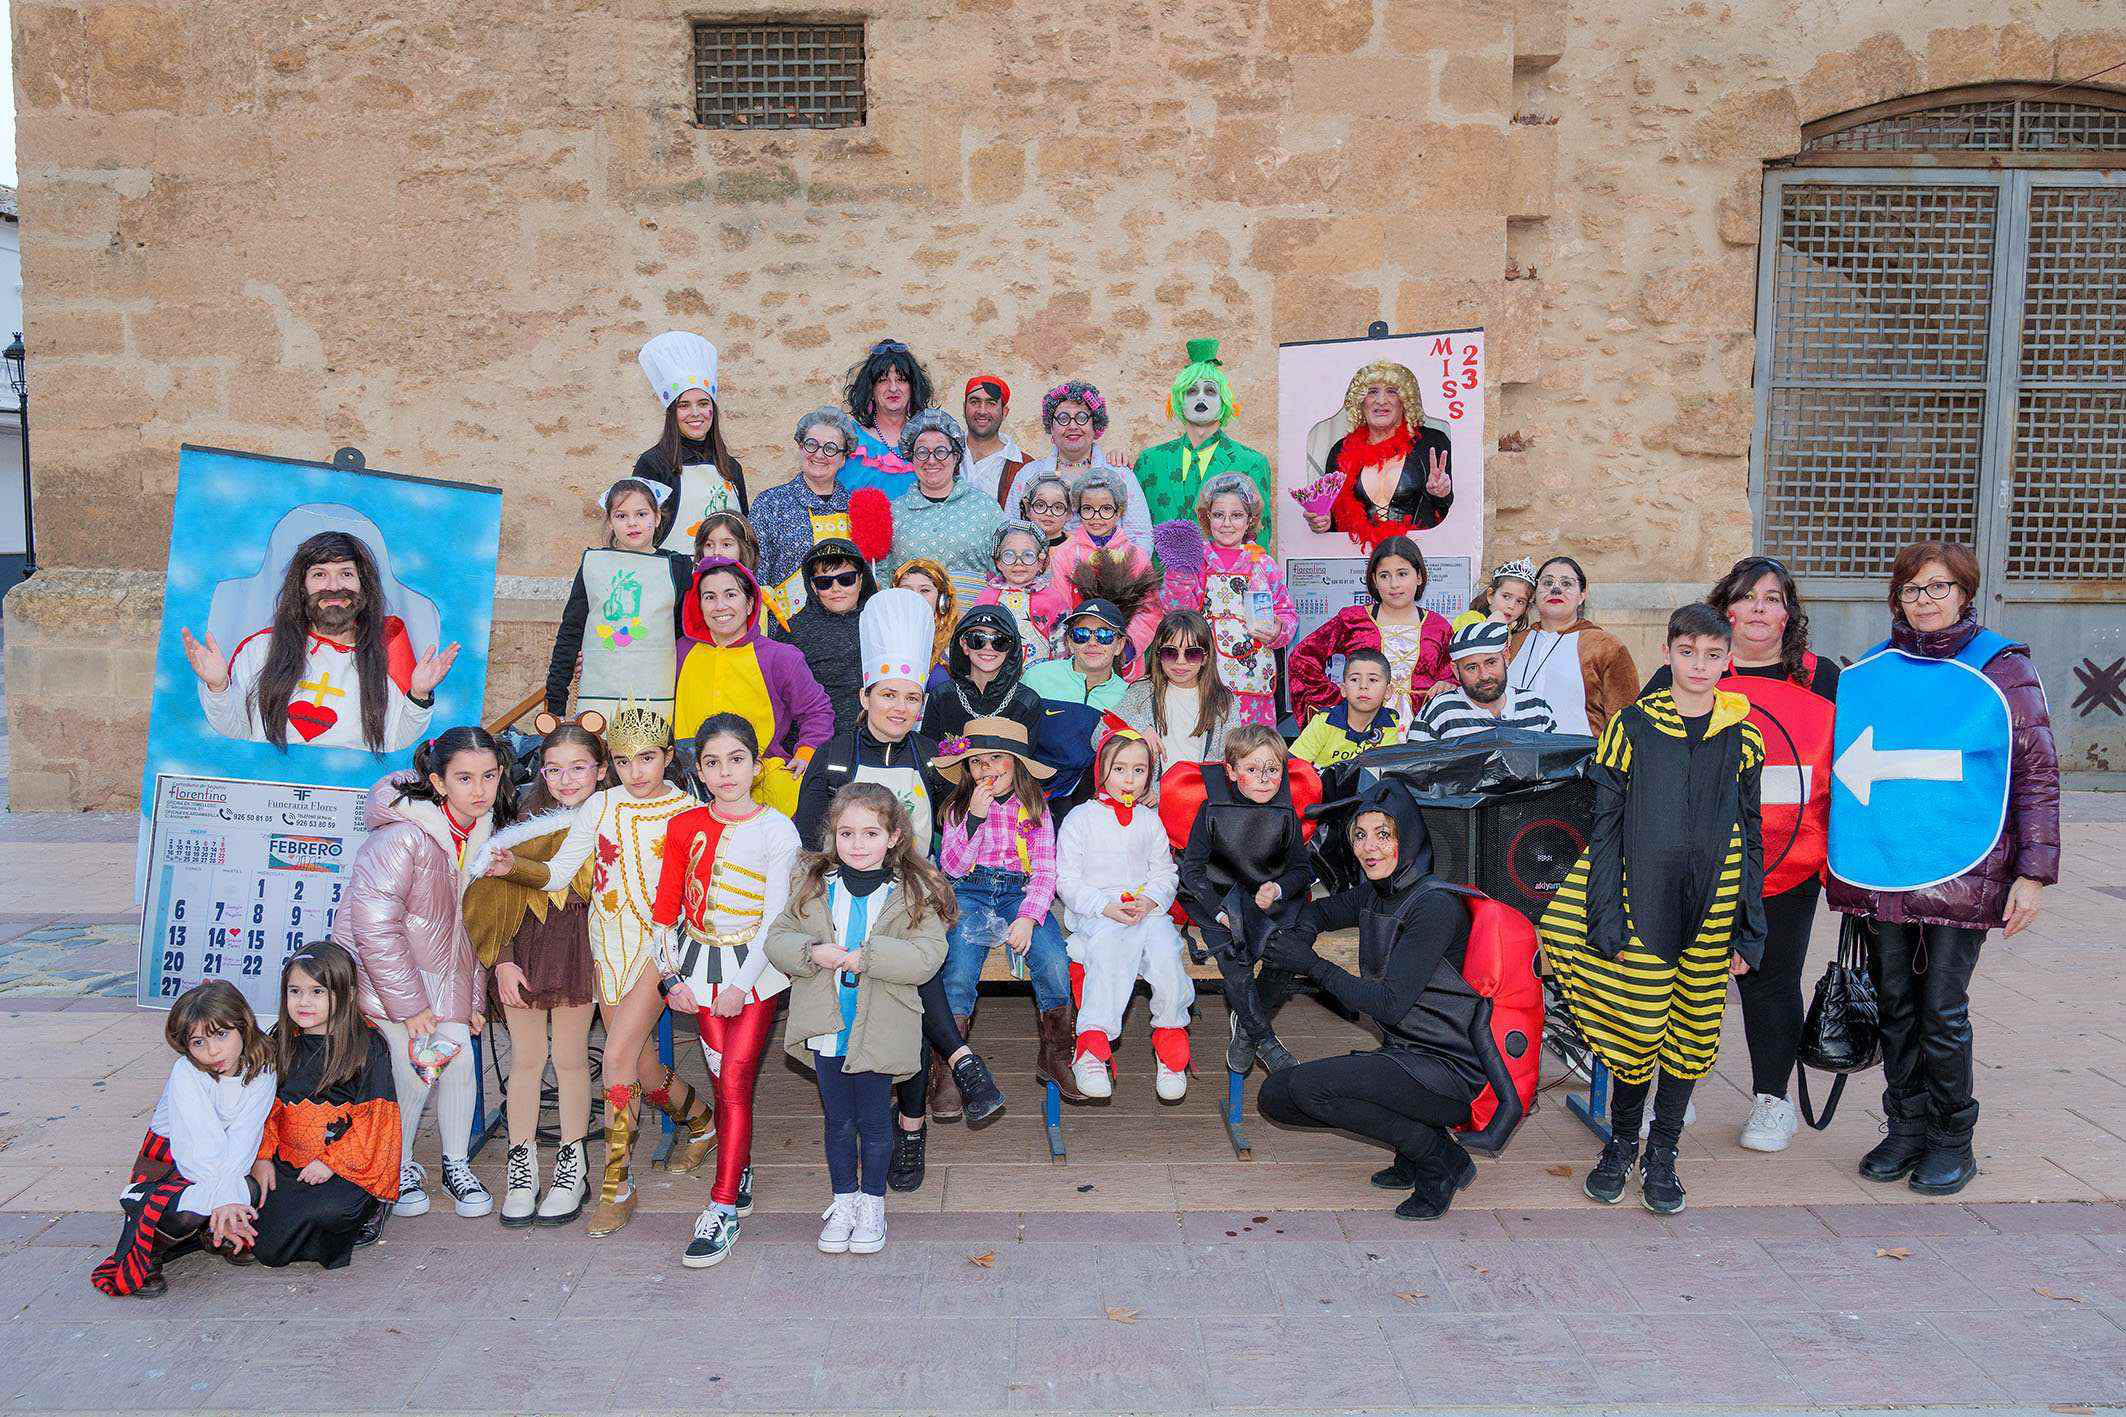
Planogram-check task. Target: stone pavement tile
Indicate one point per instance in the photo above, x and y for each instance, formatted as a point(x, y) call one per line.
point(2007, 1271)
point(14, 1180)
point(1380, 1225)
point(2064, 1355)
point(556, 1365)
point(23, 1227)
point(1306, 1363)
point(1345, 1279)
point(1694, 1359)
point(1451, 1359)
point(1587, 1221)
point(1940, 1218)
point(959, 1227)
point(1101, 1365)
point(1103, 1227)
point(1046, 1186)
point(2042, 1217)
point(773, 1363)
point(276, 1365)
point(1543, 1276)
point(1849, 1274)
point(1231, 1185)
point(31, 1275)
point(1213, 1226)
point(92, 1228)
point(1851, 1358)
point(140, 1361)
point(1737, 1222)
point(1698, 1276)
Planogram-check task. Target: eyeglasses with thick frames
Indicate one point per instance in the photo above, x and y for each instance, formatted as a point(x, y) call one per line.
point(1049, 509)
point(1098, 514)
point(933, 455)
point(814, 448)
point(838, 580)
point(1013, 556)
point(1086, 634)
point(1910, 592)
point(1080, 419)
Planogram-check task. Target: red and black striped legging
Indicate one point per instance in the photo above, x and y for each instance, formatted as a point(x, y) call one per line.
point(742, 1042)
point(152, 1220)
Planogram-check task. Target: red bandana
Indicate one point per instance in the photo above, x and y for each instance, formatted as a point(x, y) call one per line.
point(1357, 454)
point(1123, 810)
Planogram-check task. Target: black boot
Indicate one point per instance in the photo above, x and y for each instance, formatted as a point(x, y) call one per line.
point(1950, 1161)
point(980, 1097)
point(1398, 1175)
point(1612, 1170)
point(1897, 1153)
point(373, 1223)
point(1441, 1173)
point(904, 1172)
point(1660, 1190)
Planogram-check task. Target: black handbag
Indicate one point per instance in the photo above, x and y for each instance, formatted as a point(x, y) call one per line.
point(1841, 1033)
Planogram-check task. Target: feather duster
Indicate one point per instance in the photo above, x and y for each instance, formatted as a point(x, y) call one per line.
point(1178, 546)
point(871, 523)
point(1110, 575)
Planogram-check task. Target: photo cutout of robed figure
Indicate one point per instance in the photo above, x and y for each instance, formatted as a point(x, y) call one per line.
point(323, 647)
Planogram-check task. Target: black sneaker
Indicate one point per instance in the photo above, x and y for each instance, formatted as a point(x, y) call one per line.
point(1273, 1055)
point(745, 1191)
point(980, 1097)
point(1606, 1182)
point(714, 1234)
point(1239, 1053)
point(1400, 1175)
point(373, 1224)
point(905, 1171)
point(1659, 1189)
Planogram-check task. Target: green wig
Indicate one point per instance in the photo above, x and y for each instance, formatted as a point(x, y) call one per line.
point(1203, 364)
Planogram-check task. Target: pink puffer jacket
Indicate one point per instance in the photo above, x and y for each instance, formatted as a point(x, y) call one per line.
point(2029, 843)
point(400, 916)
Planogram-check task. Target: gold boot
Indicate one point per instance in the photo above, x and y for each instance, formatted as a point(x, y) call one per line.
point(689, 1112)
point(616, 1193)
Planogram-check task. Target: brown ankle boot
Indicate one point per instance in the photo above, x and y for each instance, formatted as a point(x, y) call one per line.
point(1058, 1035)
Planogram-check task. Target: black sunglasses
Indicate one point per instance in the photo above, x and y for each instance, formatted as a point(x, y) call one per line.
point(985, 639)
point(839, 580)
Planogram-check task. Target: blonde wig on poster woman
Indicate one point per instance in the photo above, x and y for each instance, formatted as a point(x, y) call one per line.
point(1395, 376)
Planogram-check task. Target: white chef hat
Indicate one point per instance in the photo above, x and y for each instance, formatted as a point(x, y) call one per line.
point(894, 632)
point(676, 361)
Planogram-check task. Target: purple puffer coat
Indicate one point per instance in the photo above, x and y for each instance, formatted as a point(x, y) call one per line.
point(2029, 843)
point(400, 917)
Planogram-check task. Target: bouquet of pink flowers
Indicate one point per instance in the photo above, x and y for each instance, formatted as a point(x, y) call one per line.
point(1318, 496)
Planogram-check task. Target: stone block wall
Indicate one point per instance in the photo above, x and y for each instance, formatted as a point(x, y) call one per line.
point(439, 232)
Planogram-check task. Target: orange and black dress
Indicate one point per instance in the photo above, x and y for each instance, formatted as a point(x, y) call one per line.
point(353, 1127)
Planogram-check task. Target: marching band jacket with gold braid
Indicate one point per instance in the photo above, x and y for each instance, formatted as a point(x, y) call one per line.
point(722, 886)
point(1671, 885)
point(353, 1127)
point(545, 933)
point(623, 836)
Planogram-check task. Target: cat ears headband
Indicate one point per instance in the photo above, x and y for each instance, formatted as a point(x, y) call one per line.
point(590, 721)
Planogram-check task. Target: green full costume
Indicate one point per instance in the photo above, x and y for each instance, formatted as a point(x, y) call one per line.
point(1173, 472)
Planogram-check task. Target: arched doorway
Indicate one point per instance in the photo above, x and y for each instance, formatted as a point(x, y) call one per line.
point(1941, 351)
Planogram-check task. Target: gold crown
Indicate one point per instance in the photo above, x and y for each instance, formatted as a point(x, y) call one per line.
point(635, 729)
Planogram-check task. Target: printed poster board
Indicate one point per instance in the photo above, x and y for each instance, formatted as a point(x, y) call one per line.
point(239, 524)
point(240, 874)
point(1313, 379)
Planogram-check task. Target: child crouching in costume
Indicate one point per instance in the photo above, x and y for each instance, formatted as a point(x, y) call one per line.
point(1666, 902)
point(725, 878)
point(621, 830)
point(193, 1171)
point(1243, 872)
point(864, 928)
point(536, 944)
point(1115, 876)
point(328, 1162)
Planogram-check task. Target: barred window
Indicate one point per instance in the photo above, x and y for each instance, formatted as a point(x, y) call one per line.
point(780, 74)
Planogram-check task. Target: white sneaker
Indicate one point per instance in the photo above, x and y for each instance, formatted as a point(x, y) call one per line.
point(1092, 1076)
point(841, 1220)
point(412, 1199)
point(869, 1236)
point(520, 1201)
point(1771, 1125)
point(465, 1189)
point(1172, 1086)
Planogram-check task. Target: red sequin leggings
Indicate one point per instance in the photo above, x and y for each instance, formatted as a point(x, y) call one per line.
point(742, 1041)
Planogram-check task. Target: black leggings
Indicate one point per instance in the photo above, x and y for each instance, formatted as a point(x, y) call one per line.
point(1369, 1094)
point(1627, 1109)
point(1771, 993)
point(942, 1032)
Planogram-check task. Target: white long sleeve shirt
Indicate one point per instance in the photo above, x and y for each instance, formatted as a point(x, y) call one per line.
point(1098, 858)
point(213, 1125)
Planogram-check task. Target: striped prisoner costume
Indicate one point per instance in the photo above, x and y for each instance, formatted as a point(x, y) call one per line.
point(1671, 885)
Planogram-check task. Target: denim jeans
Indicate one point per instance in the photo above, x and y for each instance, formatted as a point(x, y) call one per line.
point(989, 901)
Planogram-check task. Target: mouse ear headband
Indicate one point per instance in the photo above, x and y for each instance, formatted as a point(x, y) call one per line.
point(590, 721)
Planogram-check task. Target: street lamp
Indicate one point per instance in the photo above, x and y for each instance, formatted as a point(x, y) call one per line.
point(19, 380)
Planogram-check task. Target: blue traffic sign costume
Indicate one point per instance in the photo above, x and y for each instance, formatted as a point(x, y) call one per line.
point(1918, 798)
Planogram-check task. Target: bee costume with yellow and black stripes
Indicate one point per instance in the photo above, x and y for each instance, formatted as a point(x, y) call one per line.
point(1671, 885)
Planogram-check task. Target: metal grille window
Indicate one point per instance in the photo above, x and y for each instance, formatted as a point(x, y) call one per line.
point(2003, 125)
point(778, 75)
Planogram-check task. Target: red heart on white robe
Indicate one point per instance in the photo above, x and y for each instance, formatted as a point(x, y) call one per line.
point(312, 719)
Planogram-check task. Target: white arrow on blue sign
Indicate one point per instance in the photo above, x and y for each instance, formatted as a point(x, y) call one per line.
point(1919, 777)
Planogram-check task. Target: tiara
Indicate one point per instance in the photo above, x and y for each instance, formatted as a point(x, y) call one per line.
point(635, 729)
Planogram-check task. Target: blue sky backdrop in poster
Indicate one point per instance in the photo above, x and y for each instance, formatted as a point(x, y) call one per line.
point(237, 519)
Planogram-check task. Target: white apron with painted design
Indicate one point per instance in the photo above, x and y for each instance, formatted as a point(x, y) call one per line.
point(702, 493)
point(627, 636)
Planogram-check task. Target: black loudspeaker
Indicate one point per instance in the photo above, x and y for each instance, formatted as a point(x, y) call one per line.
point(1517, 850)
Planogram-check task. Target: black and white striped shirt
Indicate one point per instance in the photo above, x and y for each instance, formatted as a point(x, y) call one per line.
point(1452, 715)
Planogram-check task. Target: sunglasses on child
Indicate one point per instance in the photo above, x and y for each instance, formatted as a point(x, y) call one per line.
point(1184, 654)
point(1086, 634)
point(983, 640)
point(839, 580)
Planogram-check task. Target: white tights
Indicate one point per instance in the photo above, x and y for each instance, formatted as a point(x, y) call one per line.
point(1115, 956)
point(454, 1090)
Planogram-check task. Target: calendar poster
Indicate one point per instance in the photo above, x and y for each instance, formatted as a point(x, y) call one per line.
point(1323, 585)
point(240, 874)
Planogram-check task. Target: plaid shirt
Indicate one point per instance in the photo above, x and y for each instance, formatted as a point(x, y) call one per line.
point(1005, 842)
